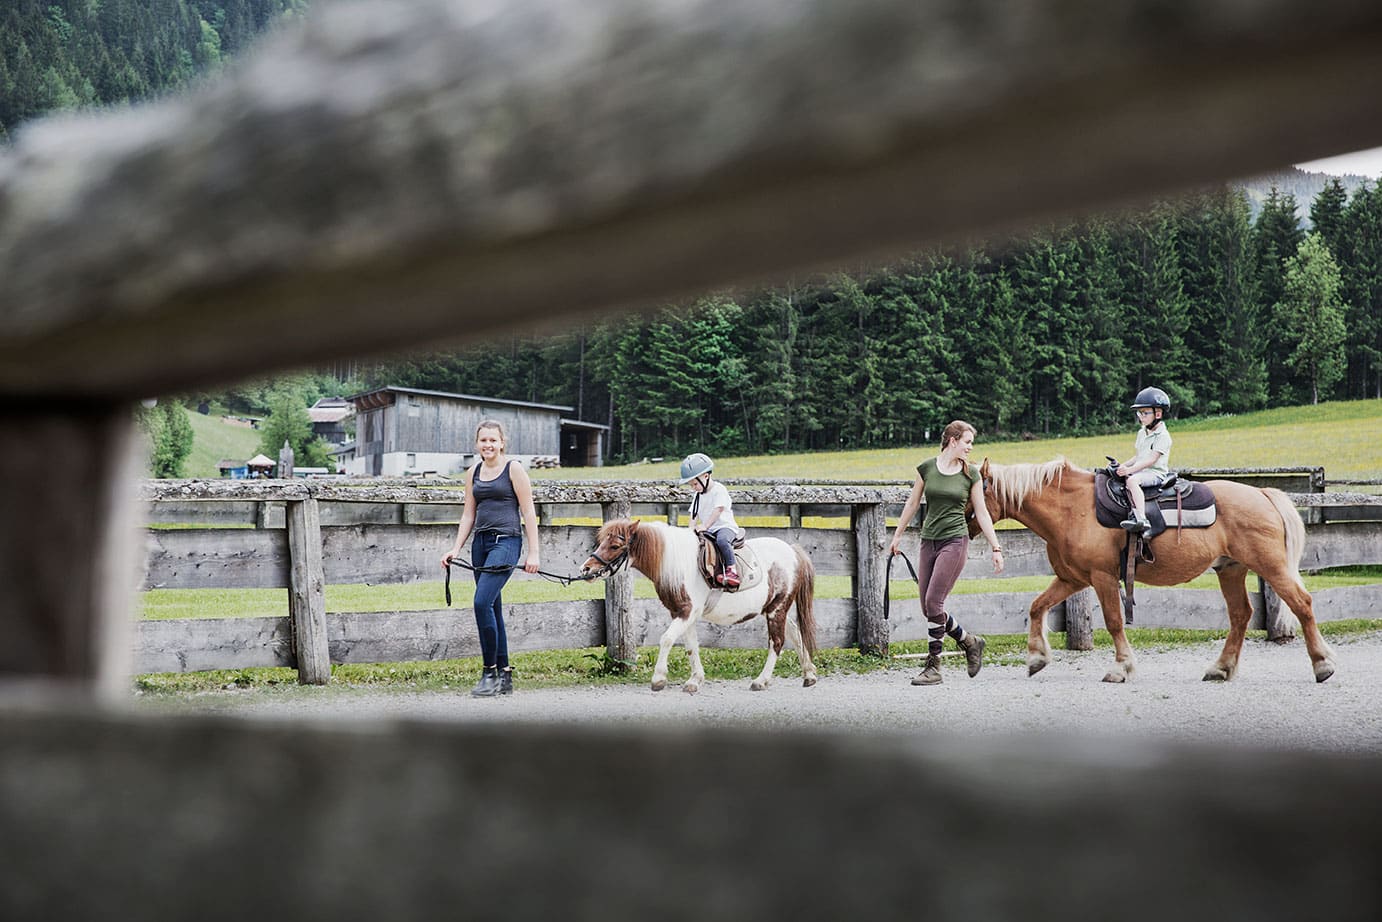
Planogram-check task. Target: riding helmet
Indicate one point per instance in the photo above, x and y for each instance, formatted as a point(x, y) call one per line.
point(1153, 397)
point(694, 466)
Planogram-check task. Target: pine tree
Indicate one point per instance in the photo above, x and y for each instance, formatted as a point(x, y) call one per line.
point(1361, 269)
point(1311, 315)
point(1275, 238)
point(1327, 215)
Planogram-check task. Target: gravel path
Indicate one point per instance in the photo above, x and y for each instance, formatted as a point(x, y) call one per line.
point(1273, 702)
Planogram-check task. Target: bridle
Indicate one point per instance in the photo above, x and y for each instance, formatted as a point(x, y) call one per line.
point(609, 567)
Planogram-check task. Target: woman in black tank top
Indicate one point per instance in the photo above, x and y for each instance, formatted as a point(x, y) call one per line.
point(497, 490)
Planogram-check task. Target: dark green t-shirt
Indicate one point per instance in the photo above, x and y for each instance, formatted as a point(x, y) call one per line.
point(946, 496)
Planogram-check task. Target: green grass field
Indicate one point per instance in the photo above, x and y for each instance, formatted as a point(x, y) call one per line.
point(213, 440)
point(1345, 437)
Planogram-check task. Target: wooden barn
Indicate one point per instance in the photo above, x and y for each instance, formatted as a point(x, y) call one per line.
point(401, 431)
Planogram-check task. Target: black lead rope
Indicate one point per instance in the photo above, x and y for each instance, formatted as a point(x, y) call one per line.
point(550, 577)
point(887, 582)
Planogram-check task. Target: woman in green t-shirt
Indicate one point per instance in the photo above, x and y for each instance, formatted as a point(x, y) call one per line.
point(949, 483)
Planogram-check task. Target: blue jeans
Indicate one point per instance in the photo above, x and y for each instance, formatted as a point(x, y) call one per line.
point(490, 550)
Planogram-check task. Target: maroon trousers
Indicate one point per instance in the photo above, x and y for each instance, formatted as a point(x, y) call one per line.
point(938, 567)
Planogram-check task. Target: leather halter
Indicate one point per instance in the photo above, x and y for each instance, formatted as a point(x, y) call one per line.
point(609, 567)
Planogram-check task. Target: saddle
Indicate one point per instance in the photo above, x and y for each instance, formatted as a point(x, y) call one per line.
point(1175, 503)
point(1182, 503)
point(712, 567)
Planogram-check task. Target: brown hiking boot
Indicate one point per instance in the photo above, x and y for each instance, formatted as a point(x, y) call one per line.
point(974, 653)
point(931, 672)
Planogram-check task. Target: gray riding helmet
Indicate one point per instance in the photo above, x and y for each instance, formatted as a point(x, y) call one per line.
point(694, 466)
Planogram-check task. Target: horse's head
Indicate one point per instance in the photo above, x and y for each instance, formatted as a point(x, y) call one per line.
point(613, 545)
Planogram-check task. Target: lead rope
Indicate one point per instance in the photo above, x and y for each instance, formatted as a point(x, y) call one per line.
point(550, 577)
point(888, 580)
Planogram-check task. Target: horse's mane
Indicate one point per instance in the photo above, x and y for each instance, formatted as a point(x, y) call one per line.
point(648, 546)
point(1013, 483)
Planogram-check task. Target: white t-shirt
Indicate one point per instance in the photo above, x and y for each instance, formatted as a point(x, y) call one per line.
point(703, 506)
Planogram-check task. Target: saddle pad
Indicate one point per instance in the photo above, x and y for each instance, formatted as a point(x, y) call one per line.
point(1194, 496)
point(1189, 518)
point(750, 573)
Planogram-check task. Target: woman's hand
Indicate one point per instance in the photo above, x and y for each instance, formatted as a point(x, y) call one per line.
point(531, 564)
point(997, 560)
point(447, 558)
point(895, 547)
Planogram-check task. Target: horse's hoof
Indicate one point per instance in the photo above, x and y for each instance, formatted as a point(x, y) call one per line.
point(659, 684)
point(810, 680)
point(1323, 670)
point(1218, 673)
point(758, 686)
point(1116, 677)
point(691, 688)
point(1034, 666)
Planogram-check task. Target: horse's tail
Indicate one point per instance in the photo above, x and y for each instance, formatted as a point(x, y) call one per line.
point(1295, 529)
point(805, 600)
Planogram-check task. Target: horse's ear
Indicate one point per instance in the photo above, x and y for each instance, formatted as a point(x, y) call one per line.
point(984, 469)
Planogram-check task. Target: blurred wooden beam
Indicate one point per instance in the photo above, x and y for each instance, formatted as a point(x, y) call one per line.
point(394, 175)
point(153, 817)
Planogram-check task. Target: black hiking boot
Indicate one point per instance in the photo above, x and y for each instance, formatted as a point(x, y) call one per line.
point(488, 686)
point(506, 680)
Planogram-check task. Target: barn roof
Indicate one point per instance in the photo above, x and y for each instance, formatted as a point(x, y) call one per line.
point(383, 396)
point(329, 414)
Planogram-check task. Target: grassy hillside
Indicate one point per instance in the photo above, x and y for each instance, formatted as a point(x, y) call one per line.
point(1343, 436)
point(213, 440)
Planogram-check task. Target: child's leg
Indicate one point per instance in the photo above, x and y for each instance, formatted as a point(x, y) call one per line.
point(1139, 504)
point(724, 541)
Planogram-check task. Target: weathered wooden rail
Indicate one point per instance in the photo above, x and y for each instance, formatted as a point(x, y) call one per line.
point(301, 535)
point(393, 174)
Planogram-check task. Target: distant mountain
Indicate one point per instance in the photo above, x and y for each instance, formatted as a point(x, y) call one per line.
point(1305, 186)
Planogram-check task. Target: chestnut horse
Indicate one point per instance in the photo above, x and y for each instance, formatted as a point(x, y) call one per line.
point(668, 557)
point(1255, 529)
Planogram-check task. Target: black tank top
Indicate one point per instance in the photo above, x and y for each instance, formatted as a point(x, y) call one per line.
point(496, 504)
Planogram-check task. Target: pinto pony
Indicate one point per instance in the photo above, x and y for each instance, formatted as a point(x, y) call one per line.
point(668, 557)
point(1256, 529)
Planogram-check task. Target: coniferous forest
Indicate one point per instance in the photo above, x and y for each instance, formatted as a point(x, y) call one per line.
point(1051, 334)
point(77, 54)
point(1228, 306)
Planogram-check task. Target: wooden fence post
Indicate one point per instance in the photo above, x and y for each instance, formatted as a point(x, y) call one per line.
point(68, 542)
point(306, 602)
point(1280, 628)
point(870, 575)
point(1079, 620)
point(620, 643)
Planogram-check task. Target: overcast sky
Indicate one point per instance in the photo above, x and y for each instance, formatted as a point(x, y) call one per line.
point(1364, 163)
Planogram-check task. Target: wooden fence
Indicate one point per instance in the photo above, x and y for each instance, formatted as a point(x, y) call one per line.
point(392, 175)
point(301, 536)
